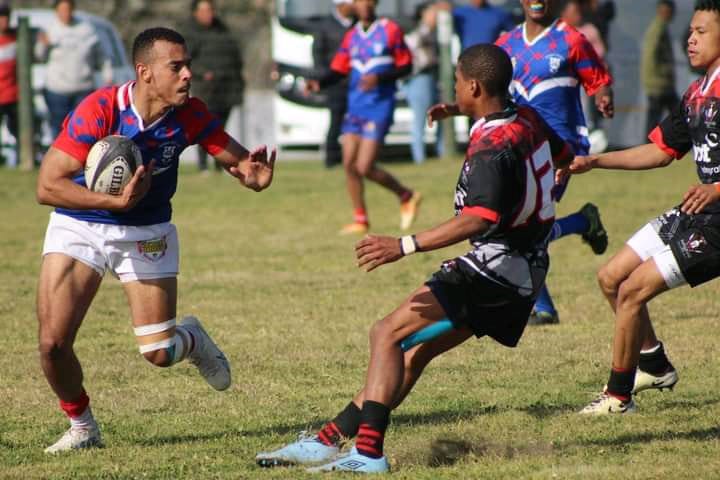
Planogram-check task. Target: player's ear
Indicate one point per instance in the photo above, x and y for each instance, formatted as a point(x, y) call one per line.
point(143, 72)
point(475, 88)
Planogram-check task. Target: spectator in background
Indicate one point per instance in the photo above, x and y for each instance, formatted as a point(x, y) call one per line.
point(217, 64)
point(326, 42)
point(8, 76)
point(479, 22)
point(573, 15)
point(600, 13)
point(73, 53)
point(658, 64)
point(421, 88)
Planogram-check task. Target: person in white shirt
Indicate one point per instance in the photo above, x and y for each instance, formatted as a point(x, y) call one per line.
point(73, 53)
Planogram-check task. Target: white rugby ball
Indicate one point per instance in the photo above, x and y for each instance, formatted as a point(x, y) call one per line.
point(111, 163)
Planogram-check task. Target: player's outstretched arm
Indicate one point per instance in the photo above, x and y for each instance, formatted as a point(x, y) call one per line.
point(56, 188)
point(441, 111)
point(375, 250)
point(253, 169)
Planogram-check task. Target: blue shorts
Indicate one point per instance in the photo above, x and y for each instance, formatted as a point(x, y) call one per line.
point(370, 129)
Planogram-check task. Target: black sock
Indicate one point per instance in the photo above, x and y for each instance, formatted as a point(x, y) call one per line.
point(345, 425)
point(371, 434)
point(655, 362)
point(621, 383)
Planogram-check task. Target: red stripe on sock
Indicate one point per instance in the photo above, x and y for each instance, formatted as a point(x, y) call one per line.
point(363, 448)
point(622, 370)
point(77, 407)
point(369, 432)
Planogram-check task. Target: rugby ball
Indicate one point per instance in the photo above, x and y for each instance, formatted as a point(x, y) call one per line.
point(111, 163)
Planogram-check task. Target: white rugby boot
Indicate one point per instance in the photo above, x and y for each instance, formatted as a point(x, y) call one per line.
point(306, 450)
point(606, 404)
point(354, 462)
point(76, 439)
point(647, 381)
point(206, 355)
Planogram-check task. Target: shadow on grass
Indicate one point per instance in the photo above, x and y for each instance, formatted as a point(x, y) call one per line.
point(711, 433)
point(448, 451)
point(541, 411)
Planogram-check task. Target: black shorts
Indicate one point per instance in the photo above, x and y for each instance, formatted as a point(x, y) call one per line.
point(473, 300)
point(693, 240)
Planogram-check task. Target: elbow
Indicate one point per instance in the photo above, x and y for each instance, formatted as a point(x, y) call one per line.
point(43, 194)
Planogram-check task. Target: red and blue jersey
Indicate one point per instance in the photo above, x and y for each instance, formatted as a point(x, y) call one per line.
point(110, 111)
point(548, 73)
point(379, 49)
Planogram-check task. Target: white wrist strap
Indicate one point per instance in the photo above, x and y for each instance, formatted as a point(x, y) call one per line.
point(407, 245)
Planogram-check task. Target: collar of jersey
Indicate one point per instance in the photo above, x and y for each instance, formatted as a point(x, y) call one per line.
point(125, 102)
point(539, 37)
point(371, 28)
point(495, 119)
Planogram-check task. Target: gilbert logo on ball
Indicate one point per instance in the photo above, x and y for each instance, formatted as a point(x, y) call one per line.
point(111, 163)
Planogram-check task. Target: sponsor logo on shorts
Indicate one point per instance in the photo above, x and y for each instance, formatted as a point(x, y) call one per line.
point(694, 245)
point(154, 249)
point(370, 127)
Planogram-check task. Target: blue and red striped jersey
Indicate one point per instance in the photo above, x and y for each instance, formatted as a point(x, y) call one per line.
point(110, 111)
point(548, 73)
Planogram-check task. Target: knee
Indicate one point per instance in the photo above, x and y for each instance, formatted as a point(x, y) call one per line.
point(380, 333)
point(363, 170)
point(608, 281)
point(53, 348)
point(631, 295)
point(159, 358)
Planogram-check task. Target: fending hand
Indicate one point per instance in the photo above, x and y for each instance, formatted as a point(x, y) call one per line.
point(375, 250)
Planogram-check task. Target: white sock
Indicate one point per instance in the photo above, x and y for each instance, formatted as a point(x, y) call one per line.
point(85, 421)
point(653, 349)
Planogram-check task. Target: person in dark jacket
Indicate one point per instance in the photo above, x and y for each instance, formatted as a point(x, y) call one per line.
point(326, 42)
point(217, 63)
point(658, 65)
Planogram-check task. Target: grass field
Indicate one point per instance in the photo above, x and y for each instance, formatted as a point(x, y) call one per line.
point(280, 293)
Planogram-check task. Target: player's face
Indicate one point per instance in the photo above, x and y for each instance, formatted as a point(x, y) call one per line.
point(170, 72)
point(365, 9)
point(572, 14)
point(704, 42)
point(538, 10)
point(463, 92)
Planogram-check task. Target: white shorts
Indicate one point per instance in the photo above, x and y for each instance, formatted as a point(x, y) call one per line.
point(647, 244)
point(129, 252)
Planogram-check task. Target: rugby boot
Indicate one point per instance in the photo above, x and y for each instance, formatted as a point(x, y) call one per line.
point(206, 356)
point(606, 404)
point(76, 439)
point(408, 210)
point(306, 450)
point(647, 381)
point(540, 317)
point(354, 462)
point(596, 236)
point(355, 228)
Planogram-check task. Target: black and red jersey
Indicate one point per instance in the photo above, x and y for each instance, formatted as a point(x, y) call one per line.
point(695, 123)
point(507, 178)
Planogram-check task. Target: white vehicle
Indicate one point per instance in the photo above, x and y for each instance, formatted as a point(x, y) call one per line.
point(40, 19)
point(303, 120)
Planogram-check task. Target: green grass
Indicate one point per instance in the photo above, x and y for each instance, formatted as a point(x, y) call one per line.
point(281, 294)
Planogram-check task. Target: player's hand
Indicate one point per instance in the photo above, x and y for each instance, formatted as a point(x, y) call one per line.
point(311, 86)
point(441, 111)
point(369, 82)
point(582, 164)
point(258, 169)
point(373, 251)
point(698, 197)
point(137, 187)
point(604, 102)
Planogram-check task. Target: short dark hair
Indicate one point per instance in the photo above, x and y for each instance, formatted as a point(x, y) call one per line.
point(145, 40)
point(58, 2)
point(708, 5)
point(194, 4)
point(489, 65)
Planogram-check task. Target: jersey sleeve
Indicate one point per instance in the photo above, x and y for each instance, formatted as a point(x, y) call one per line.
point(590, 69)
point(341, 60)
point(672, 135)
point(486, 183)
point(398, 48)
point(89, 122)
point(203, 128)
